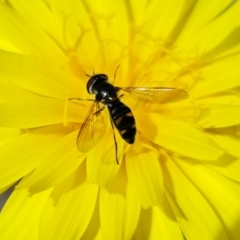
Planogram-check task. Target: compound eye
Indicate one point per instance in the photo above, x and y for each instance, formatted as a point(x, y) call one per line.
point(103, 77)
point(94, 81)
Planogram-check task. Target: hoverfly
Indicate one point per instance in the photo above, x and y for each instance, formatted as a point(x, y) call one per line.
point(121, 116)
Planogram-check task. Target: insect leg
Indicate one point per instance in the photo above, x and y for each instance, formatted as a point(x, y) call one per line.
point(97, 113)
point(66, 107)
point(115, 142)
point(70, 99)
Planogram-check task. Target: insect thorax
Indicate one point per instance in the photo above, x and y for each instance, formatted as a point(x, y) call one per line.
point(106, 93)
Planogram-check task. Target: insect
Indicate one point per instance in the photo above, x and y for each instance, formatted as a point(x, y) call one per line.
point(121, 116)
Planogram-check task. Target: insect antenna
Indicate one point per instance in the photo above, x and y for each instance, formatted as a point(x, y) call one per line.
point(115, 73)
point(90, 75)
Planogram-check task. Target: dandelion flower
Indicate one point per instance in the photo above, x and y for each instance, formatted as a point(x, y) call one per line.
point(180, 179)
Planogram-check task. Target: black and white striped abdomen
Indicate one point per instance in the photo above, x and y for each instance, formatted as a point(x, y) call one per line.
point(123, 120)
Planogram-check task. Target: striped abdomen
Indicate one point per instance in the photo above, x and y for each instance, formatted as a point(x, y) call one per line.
point(123, 120)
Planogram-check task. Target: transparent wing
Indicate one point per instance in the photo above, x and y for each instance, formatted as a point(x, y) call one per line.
point(113, 147)
point(92, 129)
point(155, 94)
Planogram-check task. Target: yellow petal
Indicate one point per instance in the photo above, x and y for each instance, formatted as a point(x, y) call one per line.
point(221, 194)
point(22, 207)
point(212, 82)
point(6, 134)
point(27, 37)
point(119, 212)
point(59, 220)
point(28, 149)
point(39, 13)
point(27, 113)
point(218, 112)
point(154, 15)
point(107, 18)
point(213, 117)
point(178, 137)
point(57, 164)
point(205, 31)
point(5, 189)
point(190, 206)
point(156, 223)
point(145, 176)
point(98, 172)
point(206, 112)
point(39, 111)
point(228, 166)
point(93, 230)
point(39, 76)
point(101, 163)
point(15, 91)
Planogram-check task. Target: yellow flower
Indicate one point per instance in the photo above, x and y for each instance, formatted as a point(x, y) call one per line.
point(180, 177)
